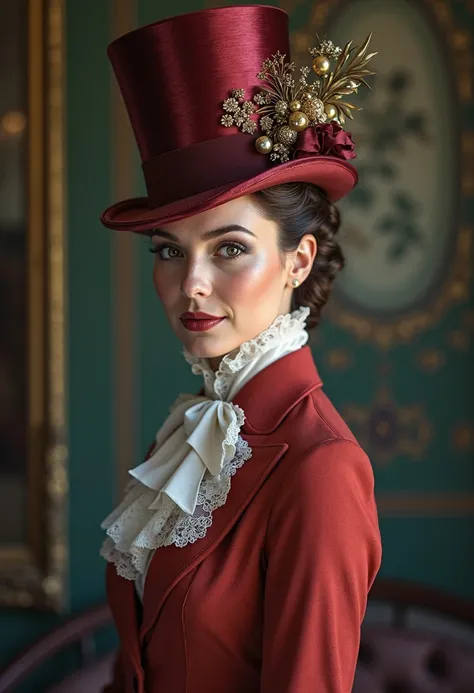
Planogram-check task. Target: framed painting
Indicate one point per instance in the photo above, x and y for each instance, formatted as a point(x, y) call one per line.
point(33, 452)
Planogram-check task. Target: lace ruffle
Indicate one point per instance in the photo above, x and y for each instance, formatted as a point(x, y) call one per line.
point(288, 326)
point(133, 530)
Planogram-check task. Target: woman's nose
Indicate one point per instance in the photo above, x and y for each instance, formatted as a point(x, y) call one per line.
point(195, 282)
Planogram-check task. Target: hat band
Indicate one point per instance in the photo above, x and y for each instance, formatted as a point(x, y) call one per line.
point(201, 167)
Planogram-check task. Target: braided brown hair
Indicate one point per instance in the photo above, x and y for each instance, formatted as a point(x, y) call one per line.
point(299, 209)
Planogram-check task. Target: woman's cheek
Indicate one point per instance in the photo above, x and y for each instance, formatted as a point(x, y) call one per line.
point(254, 280)
point(164, 284)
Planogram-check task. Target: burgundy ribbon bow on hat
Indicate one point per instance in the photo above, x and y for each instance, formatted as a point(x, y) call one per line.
point(328, 139)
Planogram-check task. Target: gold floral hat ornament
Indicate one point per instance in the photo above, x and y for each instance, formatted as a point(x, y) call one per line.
point(202, 145)
point(288, 107)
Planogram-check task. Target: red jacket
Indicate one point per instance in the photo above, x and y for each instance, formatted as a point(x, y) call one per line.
point(272, 598)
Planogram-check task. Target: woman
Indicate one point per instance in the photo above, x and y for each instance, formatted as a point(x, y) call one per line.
point(241, 556)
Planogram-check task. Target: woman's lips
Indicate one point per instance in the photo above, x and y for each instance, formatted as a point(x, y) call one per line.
point(199, 322)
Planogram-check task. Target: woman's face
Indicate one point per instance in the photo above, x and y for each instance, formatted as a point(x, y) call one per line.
point(224, 263)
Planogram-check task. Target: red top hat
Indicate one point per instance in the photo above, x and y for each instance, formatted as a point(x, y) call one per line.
point(194, 87)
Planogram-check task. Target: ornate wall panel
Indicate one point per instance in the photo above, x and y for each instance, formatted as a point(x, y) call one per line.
point(407, 241)
point(396, 345)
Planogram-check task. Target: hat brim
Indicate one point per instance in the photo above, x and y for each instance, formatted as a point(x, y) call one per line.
point(335, 176)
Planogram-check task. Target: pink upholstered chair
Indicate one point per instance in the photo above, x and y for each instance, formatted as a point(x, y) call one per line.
point(415, 640)
point(78, 632)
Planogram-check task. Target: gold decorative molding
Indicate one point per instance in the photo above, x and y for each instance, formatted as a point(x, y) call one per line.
point(459, 40)
point(430, 360)
point(460, 339)
point(463, 437)
point(35, 573)
point(468, 163)
point(339, 359)
point(455, 290)
point(387, 430)
point(456, 287)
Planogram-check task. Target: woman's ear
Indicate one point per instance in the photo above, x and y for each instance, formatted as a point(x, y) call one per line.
point(303, 258)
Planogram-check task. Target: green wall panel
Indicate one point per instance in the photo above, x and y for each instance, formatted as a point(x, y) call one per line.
point(436, 552)
point(90, 294)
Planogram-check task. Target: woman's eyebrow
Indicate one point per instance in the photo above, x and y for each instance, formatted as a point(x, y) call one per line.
point(214, 233)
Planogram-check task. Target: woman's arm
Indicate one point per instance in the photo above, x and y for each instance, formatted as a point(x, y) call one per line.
point(323, 551)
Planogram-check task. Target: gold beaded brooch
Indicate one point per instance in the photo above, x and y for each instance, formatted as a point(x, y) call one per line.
point(288, 107)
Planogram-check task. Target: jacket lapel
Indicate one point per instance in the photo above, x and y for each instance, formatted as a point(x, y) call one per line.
point(170, 564)
point(289, 380)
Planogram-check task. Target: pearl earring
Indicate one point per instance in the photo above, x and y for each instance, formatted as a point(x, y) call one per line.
point(295, 283)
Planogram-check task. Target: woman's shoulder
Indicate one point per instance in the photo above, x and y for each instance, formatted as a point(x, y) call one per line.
point(332, 423)
point(325, 471)
point(315, 421)
point(322, 448)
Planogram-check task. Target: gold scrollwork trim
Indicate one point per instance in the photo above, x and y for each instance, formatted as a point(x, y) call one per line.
point(35, 574)
point(468, 165)
point(456, 288)
point(388, 430)
point(338, 359)
point(431, 360)
point(459, 40)
point(463, 437)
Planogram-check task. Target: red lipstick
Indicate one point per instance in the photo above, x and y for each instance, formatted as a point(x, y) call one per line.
point(199, 322)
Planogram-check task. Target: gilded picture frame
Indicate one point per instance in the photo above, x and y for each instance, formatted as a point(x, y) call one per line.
point(33, 552)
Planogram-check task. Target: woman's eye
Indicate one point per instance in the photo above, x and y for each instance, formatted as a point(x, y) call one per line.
point(228, 251)
point(166, 252)
point(231, 250)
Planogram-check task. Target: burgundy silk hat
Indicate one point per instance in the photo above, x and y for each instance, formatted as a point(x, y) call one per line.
point(218, 112)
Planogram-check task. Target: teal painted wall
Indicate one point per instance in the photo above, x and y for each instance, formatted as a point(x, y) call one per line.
point(428, 549)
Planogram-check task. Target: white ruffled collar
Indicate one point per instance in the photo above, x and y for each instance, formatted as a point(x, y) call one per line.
point(287, 332)
point(174, 493)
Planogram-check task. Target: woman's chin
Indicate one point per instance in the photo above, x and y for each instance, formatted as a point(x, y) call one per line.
point(206, 344)
point(203, 350)
point(208, 347)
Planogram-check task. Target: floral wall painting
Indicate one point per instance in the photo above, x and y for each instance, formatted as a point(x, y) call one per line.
point(402, 213)
point(407, 248)
point(32, 417)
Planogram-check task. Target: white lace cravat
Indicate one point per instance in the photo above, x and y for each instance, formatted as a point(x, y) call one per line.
point(197, 451)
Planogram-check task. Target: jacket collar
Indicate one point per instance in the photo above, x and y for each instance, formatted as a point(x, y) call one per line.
point(274, 391)
point(266, 400)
